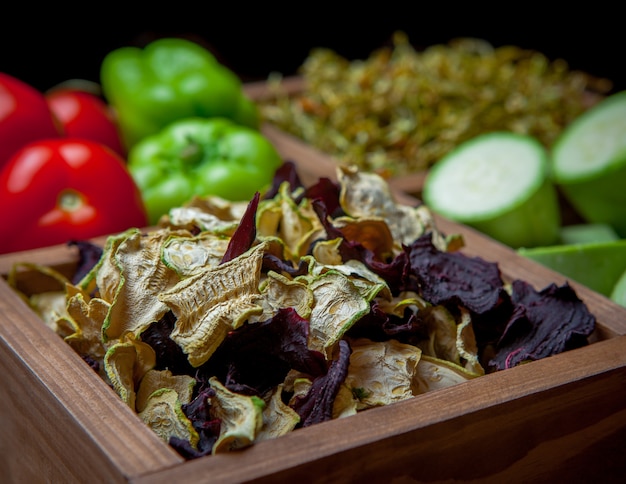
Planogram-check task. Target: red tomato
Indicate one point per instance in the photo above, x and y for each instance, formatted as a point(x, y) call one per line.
point(85, 115)
point(55, 191)
point(24, 116)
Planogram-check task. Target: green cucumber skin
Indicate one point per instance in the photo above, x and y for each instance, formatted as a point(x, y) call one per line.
point(598, 137)
point(596, 265)
point(618, 294)
point(587, 233)
point(534, 223)
point(601, 200)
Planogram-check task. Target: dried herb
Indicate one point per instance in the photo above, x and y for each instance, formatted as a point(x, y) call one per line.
point(401, 109)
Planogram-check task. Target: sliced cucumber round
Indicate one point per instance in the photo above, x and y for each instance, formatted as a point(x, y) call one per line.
point(589, 163)
point(497, 183)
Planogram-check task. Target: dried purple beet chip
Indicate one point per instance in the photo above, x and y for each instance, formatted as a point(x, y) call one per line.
point(455, 278)
point(543, 323)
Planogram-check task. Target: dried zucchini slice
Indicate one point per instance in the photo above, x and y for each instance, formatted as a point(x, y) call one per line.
point(381, 373)
point(155, 380)
point(278, 418)
point(241, 417)
point(164, 415)
point(213, 302)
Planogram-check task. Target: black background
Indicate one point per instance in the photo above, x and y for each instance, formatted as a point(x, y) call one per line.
point(47, 46)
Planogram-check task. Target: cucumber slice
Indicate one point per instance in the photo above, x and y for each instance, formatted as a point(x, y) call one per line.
point(589, 163)
point(597, 265)
point(497, 183)
point(584, 233)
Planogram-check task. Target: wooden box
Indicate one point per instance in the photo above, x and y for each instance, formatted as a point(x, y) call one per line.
point(559, 419)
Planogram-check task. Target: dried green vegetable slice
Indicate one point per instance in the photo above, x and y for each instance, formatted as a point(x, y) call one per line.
point(278, 291)
point(406, 300)
point(278, 418)
point(327, 251)
point(155, 380)
point(345, 403)
point(86, 315)
point(210, 213)
point(213, 302)
point(241, 417)
point(141, 275)
point(125, 364)
point(338, 305)
point(442, 335)
point(164, 415)
point(295, 224)
point(187, 255)
point(466, 344)
point(434, 373)
point(369, 284)
point(48, 305)
point(381, 373)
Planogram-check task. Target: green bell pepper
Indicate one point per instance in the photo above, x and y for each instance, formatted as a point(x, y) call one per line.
point(170, 79)
point(200, 156)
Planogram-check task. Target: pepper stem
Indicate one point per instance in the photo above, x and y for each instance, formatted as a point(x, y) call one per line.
point(191, 153)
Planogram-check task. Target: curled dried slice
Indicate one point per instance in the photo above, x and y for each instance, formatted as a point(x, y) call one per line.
point(48, 305)
point(241, 417)
point(125, 364)
point(296, 224)
point(338, 305)
point(381, 373)
point(405, 300)
point(208, 214)
point(345, 403)
point(155, 380)
point(371, 232)
point(466, 344)
point(278, 291)
point(213, 302)
point(86, 316)
point(366, 195)
point(187, 255)
point(442, 334)
point(433, 374)
point(369, 284)
point(141, 275)
point(327, 251)
point(278, 418)
point(164, 415)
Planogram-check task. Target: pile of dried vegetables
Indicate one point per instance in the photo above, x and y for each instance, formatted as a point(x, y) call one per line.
point(401, 109)
point(232, 323)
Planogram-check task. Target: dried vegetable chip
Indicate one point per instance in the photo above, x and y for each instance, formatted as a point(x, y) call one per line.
point(155, 380)
point(299, 311)
point(163, 414)
point(213, 302)
point(187, 254)
point(434, 374)
point(241, 417)
point(381, 373)
point(126, 363)
point(278, 417)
